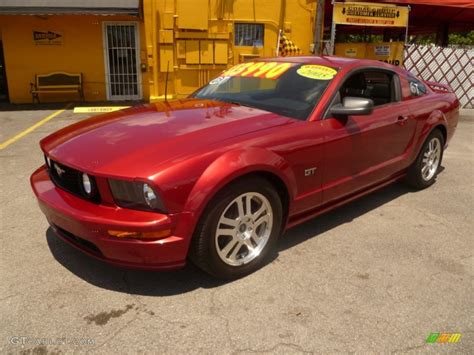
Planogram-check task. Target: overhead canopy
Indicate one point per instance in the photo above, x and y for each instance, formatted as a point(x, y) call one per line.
point(428, 14)
point(455, 3)
point(69, 7)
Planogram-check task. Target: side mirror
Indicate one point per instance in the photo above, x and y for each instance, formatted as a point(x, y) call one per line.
point(352, 106)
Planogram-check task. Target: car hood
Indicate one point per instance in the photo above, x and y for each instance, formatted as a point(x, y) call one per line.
point(143, 137)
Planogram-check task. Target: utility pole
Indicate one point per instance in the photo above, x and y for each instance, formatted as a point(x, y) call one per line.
point(318, 28)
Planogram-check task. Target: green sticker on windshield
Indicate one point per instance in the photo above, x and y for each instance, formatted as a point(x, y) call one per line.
point(317, 72)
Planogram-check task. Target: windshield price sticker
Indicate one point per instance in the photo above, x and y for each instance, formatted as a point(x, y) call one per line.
point(318, 72)
point(263, 70)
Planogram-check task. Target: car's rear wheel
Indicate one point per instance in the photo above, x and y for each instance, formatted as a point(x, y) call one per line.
point(424, 170)
point(238, 229)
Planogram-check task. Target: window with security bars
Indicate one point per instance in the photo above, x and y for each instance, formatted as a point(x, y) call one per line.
point(249, 34)
point(122, 51)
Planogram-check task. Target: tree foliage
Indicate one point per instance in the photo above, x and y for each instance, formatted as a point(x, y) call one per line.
point(462, 38)
point(455, 39)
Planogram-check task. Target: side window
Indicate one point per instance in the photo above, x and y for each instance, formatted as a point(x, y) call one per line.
point(249, 34)
point(380, 86)
point(417, 88)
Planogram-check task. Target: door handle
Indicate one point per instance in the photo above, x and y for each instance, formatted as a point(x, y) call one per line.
point(401, 120)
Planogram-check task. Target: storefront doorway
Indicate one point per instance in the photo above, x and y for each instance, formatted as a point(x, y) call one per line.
point(3, 77)
point(123, 78)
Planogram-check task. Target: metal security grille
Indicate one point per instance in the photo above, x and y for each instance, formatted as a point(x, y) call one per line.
point(249, 34)
point(123, 77)
point(452, 66)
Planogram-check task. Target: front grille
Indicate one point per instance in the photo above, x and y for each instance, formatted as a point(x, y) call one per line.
point(91, 247)
point(70, 179)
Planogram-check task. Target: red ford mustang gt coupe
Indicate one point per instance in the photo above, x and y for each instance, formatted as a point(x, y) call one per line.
point(217, 177)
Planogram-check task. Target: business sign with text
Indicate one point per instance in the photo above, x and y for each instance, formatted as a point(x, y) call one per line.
point(369, 14)
point(388, 52)
point(47, 37)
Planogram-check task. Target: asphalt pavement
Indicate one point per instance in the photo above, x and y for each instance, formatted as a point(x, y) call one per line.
point(375, 276)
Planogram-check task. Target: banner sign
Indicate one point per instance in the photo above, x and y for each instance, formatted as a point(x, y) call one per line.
point(48, 37)
point(388, 52)
point(382, 50)
point(350, 52)
point(369, 14)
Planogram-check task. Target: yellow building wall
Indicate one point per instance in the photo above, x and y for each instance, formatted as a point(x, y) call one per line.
point(182, 34)
point(192, 40)
point(81, 51)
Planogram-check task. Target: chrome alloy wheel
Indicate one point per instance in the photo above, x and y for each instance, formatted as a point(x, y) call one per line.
point(431, 159)
point(244, 228)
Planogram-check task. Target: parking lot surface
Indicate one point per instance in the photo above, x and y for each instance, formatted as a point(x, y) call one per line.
point(377, 275)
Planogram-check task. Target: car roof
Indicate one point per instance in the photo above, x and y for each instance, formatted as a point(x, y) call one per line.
point(333, 61)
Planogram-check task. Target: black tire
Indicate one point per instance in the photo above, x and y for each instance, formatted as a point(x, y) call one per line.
point(203, 251)
point(414, 176)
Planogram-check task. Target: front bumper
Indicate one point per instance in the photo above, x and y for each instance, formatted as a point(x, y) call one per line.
point(84, 225)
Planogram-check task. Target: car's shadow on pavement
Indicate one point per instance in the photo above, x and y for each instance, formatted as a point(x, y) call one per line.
point(344, 214)
point(141, 282)
point(152, 283)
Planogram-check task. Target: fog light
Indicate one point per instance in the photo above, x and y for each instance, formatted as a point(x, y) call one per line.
point(86, 184)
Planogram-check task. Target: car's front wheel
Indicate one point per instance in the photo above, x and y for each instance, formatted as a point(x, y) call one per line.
point(424, 170)
point(238, 229)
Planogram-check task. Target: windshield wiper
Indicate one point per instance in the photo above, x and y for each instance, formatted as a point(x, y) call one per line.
point(239, 103)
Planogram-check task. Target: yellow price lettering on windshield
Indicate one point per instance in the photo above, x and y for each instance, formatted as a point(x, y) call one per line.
point(317, 72)
point(237, 69)
point(264, 68)
point(277, 70)
point(251, 69)
point(268, 70)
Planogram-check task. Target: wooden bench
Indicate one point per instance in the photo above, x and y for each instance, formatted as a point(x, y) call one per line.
point(56, 83)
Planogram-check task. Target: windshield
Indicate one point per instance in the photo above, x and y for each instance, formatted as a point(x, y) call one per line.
point(288, 89)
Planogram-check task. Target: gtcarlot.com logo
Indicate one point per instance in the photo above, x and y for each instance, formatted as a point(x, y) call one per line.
point(26, 340)
point(443, 338)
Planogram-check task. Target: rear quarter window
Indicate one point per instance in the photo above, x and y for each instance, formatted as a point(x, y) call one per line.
point(417, 88)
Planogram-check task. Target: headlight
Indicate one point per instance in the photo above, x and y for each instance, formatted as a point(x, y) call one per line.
point(136, 195)
point(150, 196)
point(86, 184)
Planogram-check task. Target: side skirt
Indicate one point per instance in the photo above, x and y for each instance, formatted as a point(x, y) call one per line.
point(303, 217)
